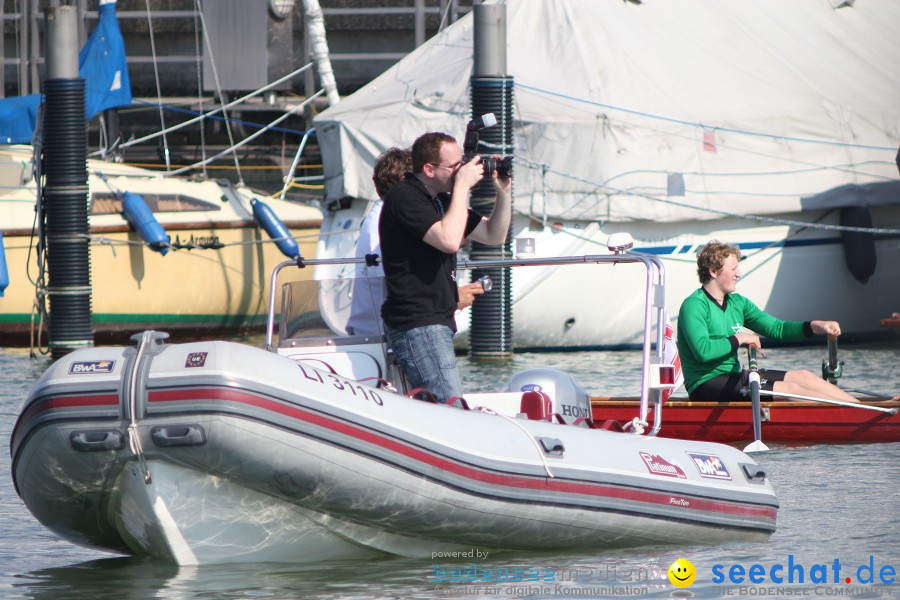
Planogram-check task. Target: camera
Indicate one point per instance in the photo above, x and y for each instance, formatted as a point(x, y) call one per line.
point(502, 165)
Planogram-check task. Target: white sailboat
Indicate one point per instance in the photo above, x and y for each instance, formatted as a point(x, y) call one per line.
point(212, 278)
point(209, 276)
point(771, 125)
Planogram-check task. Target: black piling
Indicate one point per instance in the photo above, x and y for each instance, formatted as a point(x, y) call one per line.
point(65, 191)
point(490, 332)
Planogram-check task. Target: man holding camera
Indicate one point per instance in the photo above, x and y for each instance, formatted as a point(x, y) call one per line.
point(421, 231)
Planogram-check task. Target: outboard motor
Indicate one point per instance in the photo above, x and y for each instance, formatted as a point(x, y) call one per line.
point(567, 398)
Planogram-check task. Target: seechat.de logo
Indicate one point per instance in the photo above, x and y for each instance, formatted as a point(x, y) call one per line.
point(795, 571)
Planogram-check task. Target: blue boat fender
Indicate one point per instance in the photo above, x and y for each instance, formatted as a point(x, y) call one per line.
point(276, 229)
point(141, 218)
point(4, 273)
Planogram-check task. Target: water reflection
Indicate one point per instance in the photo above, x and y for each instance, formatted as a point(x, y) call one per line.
point(389, 578)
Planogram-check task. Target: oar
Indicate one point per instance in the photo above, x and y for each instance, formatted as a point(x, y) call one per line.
point(753, 376)
point(867, 393)
point(890, 411)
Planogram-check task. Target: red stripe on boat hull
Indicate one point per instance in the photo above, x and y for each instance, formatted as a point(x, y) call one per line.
point(58, 402)
point(499, 479)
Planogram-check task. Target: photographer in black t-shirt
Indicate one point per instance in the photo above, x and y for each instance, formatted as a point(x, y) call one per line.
point(420, 232)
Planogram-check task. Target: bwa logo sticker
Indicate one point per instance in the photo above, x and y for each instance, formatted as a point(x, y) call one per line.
point(709, 466)
point(91, 367)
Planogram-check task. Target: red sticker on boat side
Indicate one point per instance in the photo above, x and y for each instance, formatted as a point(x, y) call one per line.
point(660, 466)
point(709, 466)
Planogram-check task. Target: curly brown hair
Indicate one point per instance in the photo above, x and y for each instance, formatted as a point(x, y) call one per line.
point(713, 256)
point(427, 149)
point(390, 167)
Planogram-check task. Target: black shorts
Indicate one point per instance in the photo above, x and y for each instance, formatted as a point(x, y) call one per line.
point(727, 388)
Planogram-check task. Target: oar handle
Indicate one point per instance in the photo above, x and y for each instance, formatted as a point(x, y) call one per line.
point(832, 368)
point(752, 362)
point(832, 352)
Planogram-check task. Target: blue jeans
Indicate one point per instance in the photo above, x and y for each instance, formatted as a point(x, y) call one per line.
point(426, 356)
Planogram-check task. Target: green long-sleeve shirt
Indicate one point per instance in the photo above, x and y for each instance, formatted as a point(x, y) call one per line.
point(706, 343)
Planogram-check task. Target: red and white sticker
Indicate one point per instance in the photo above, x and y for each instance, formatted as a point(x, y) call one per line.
point(659, 466)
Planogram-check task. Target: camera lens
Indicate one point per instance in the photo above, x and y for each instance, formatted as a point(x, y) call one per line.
point(503, 166)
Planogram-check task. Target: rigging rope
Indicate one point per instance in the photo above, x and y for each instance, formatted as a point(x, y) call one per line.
point(162, 118)
point(200, 89)
point(290, 179)
point(215, 72)
point(531, 437)
point(750, 217)
point(443, 24)
point(209, 115)
point(248, 139)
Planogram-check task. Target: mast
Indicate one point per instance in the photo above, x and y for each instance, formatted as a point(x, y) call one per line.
point(315, 29)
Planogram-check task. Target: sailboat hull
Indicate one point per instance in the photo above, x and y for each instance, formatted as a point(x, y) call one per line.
point(195, 288)
point(781, 269)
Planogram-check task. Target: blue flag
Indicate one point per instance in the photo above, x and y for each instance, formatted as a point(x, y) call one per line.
point(102, 64)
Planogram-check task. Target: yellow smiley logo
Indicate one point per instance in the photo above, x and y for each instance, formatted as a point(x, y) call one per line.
point(682, 573)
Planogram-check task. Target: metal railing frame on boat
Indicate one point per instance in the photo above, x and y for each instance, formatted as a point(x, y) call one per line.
point(654, 299)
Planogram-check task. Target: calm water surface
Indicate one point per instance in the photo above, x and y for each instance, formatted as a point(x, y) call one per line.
point(837, 503)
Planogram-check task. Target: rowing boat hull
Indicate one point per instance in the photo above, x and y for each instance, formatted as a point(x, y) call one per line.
point(787, 422)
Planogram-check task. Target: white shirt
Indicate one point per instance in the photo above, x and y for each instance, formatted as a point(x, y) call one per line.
point(369, 291)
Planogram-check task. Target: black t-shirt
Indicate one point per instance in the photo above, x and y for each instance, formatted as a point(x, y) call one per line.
point(421, 280)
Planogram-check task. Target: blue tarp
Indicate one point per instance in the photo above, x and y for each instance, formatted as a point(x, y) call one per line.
point(102, 65)
point(18, 116)
point(4, 274)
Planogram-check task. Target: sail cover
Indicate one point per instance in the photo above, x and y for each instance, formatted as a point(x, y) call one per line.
point(18, 116)
point(102, 64)
point(658, 110)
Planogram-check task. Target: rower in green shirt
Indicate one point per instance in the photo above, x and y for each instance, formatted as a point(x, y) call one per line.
point(711, 329)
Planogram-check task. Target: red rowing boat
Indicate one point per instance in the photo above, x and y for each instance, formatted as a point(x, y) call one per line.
point(783, 422)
